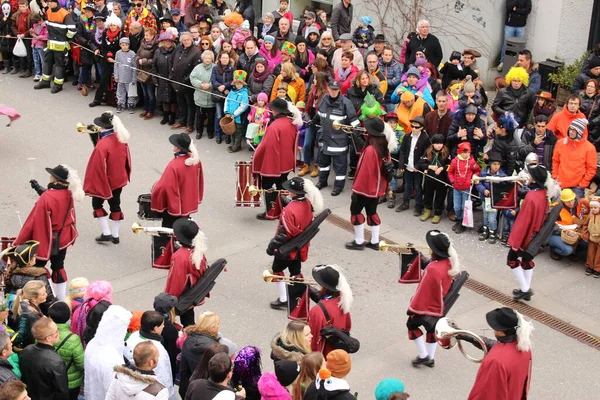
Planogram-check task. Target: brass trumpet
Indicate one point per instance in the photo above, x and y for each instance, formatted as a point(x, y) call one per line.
point(253, 190)
point(150, 230)
point(384, 246)
point(347, 128)
point(89, 129)
point(446, 332)
point(268, 277)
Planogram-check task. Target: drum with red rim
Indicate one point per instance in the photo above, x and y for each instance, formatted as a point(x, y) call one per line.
point(245, 179)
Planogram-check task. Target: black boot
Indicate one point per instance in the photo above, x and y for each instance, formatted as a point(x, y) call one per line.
point(404, 206)
point(485, 234)
point(172, 116)
point(228, 139)
point(165, 118)
point(56, 88)
point(42, 85)
point(198, 135)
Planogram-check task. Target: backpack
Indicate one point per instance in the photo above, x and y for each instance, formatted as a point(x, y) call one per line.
point(338, 338)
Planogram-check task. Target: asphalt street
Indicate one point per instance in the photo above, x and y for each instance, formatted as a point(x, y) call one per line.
point(562, 367)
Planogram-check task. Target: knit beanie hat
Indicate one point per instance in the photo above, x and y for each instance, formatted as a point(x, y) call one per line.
point(594, 203)
point(407, 96)
point(164, 302)
point(339, 363)
point(579, 125)
point(286, 371)
point(469, 85)
point(245, 25)
point(388, 386)
point(124, 40)
point(366, 20)
point(455, 55)
point(311, 29)
point(594, 62)
point(471, 109)
point(438, 138)
point(299, 39)
point(414, 71)
point(59, 312)
point(269, 38)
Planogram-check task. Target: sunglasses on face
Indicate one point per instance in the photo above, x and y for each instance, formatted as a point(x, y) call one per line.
point(138, 4)
point(416, 126)
point(205, 44)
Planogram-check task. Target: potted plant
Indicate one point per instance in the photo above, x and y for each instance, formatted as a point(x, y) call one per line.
point(565, 76)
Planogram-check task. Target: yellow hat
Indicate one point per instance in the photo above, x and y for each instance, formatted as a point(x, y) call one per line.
point(407, 96)
point(567, 195)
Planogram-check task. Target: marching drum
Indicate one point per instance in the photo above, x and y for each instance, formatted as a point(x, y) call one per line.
point(245, 179)
point(145, 212)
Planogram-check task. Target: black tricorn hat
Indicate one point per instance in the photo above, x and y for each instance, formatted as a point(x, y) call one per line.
point(327, 277)
point(23, 253)
point(539, 173)
point(375, 127)
point(294, 185)
point(181, 141)
point(502, 319)
point(60, 173)
point(279, 105)
point(185, 231)
point(438, 242)
point(105, 120)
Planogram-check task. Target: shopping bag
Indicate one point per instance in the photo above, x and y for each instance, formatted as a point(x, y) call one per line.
point(468, 214)
point(487, 207)
point(19, 50)
point(132, 89)
point(252, 130)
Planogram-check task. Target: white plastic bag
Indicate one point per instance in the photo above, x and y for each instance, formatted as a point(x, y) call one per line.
point(468, 214)
point(20, 50)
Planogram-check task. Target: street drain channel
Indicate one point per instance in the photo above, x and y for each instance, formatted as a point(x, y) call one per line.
point(538, 315)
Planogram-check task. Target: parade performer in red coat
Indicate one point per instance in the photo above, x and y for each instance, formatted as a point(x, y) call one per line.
point(107, 173)
point(188, 263)
point(295, 217)
point(53, 216)
point(275, 156)
point(529, 221)
point(180, 188)
point(427, 305)
point(505, 373)
point(336, 299)
point(371, 181)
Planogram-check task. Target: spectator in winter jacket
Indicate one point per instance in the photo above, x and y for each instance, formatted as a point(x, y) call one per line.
point(6, 369)
point(490, 216)
point(574, 162)
point(140, 14)
point(284, 34)
point(590, 106)
point(461, 171)
point(506, 145)
point(341, 19)
point(21, 28)
point(561, 121)
point(44, 371)
point(438, 121)
point(392, 71)
point(137, 381)
point(375, 71)
point(338, 366)
point(347, 45)
point(540, 141)
point(515, 98)
point(467, 126)
point(535, 79)
point(593, 72)
point(220, 372)
point(69, 346)
point(409, 108)
point(165, 303)
point(423, 38)
point(346, 73)
point(514, 24)
point(412, 77)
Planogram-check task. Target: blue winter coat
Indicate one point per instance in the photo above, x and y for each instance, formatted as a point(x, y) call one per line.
point(482, 186)
point(236, 103)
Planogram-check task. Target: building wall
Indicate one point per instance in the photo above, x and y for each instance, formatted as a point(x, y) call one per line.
point(574, 28)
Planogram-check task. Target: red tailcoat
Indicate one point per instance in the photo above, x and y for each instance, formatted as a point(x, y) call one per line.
point(276, 153)
point(530, 219)
point(316, 321)
point(369, 180)
point(180, 188)
point(295, 217)
point(109, 168)
point(504, 374)
point(46, 217)
point(429, 297)
point(183, 273)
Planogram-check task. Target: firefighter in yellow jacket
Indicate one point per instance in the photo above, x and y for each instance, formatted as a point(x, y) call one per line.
point(61, 30)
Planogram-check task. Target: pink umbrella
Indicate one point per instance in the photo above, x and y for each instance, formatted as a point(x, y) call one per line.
point(10, 112)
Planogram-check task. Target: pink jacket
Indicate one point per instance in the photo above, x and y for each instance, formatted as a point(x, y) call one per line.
point(239, 37)
point(41, 30)
point(272, 61)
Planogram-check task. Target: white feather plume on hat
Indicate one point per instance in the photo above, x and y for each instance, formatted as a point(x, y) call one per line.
point(390, 136)
point(313, 195)
point(454, 262)
point(296, 114)
point(194, 159)
point(524, 330)
point(346, 297)
point(122, 132)
point(74, 183)
point(200, 244)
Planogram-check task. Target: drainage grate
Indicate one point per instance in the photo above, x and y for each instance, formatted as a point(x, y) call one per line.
point(540, 316)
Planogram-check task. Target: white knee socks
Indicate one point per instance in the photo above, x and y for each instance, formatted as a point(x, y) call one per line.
point(375, 234)
point(520, 275)
point(115, 228)
point(359, 233)
point(420, 342)
point(60, 290)
point(104, 225)
point(431, 350)
point(528, 276)
point(282, 291)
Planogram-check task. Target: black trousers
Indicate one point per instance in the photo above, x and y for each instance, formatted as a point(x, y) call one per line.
point(414, 324)
point(268, 183)
point(187, 107)
point(25, 63)
point(340, 167)
point(358, 202)
point(168, 220)
point(434, 196)
point(201, 115)
point(57, 265)
point(188, 318)
point(107, 74)
point(293, 266)
point(114, 203)
point(54, 60)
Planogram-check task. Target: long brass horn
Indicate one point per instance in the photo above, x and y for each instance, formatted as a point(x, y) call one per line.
point(446, 332)
point(384, 246)
point(150, 230)
point(268, 277)
point(253, 190)
point(83, 128)
point(336, 125)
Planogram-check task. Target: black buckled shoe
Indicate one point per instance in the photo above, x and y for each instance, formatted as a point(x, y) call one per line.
point(355, 246)
point(262, 216)
point(519, 295)
point(374, 246)
point(417, 362)
point(336, 191)
point(279, 305)
point(115, 240)
point(104, 238)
